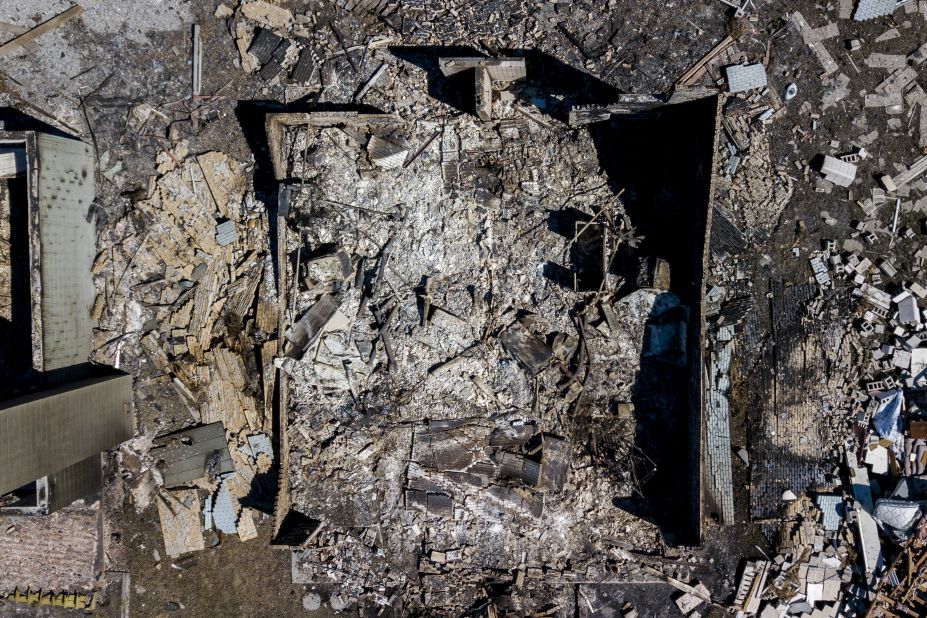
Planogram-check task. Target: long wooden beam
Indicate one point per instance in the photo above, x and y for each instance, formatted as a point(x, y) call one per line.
point(46, 26)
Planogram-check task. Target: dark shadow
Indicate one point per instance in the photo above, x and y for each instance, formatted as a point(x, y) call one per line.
point(252, 116)
point(586, 261)
point(16, 332)
point(816, 162)
point(458, 90)
point(661, 159)
point(662, 430)
point(551, 85)
point(14, 120)
point(263, 490)
point(295, 529)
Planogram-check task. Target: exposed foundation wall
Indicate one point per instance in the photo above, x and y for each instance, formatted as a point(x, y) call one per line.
point(663, 159)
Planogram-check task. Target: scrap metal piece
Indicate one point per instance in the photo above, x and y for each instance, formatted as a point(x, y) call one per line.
point(554, 462)
point(226, 233)
point(327, 269)
point(386, 154)
point(187, 455)
point(307, 329)
point(528, 350)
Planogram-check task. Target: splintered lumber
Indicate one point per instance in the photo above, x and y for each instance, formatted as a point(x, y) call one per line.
point(246, 528)
point(266, 316)
point(269, 372)
point(812, 41)
point(242, 292)
point(699, 66)
point(180, 522)
point(45, 26)
point(226, 398)
point(917, 168)
point(225, 182)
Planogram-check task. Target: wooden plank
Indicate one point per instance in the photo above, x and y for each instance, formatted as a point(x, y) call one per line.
point(180, 522)
point(45, 26)
point(699, 66)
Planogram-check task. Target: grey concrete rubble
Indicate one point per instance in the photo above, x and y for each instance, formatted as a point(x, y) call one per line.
point(838, 172)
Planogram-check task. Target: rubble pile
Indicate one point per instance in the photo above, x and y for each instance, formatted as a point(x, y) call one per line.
point(445, 332)
point(422, 329)
point(841, 464)
point(188, 284)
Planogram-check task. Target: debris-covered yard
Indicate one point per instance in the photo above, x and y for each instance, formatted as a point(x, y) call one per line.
point(500, 308)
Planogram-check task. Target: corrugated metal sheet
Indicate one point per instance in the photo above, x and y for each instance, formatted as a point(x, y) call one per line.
point(263, 45)
point(385, 153)
point(226, 233)
point(67, 239)
point(74, 482)
point(45, 432)
point(304, 68)
point(186, 453)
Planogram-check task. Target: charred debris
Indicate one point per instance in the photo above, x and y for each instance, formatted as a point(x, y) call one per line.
point(475, 332)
